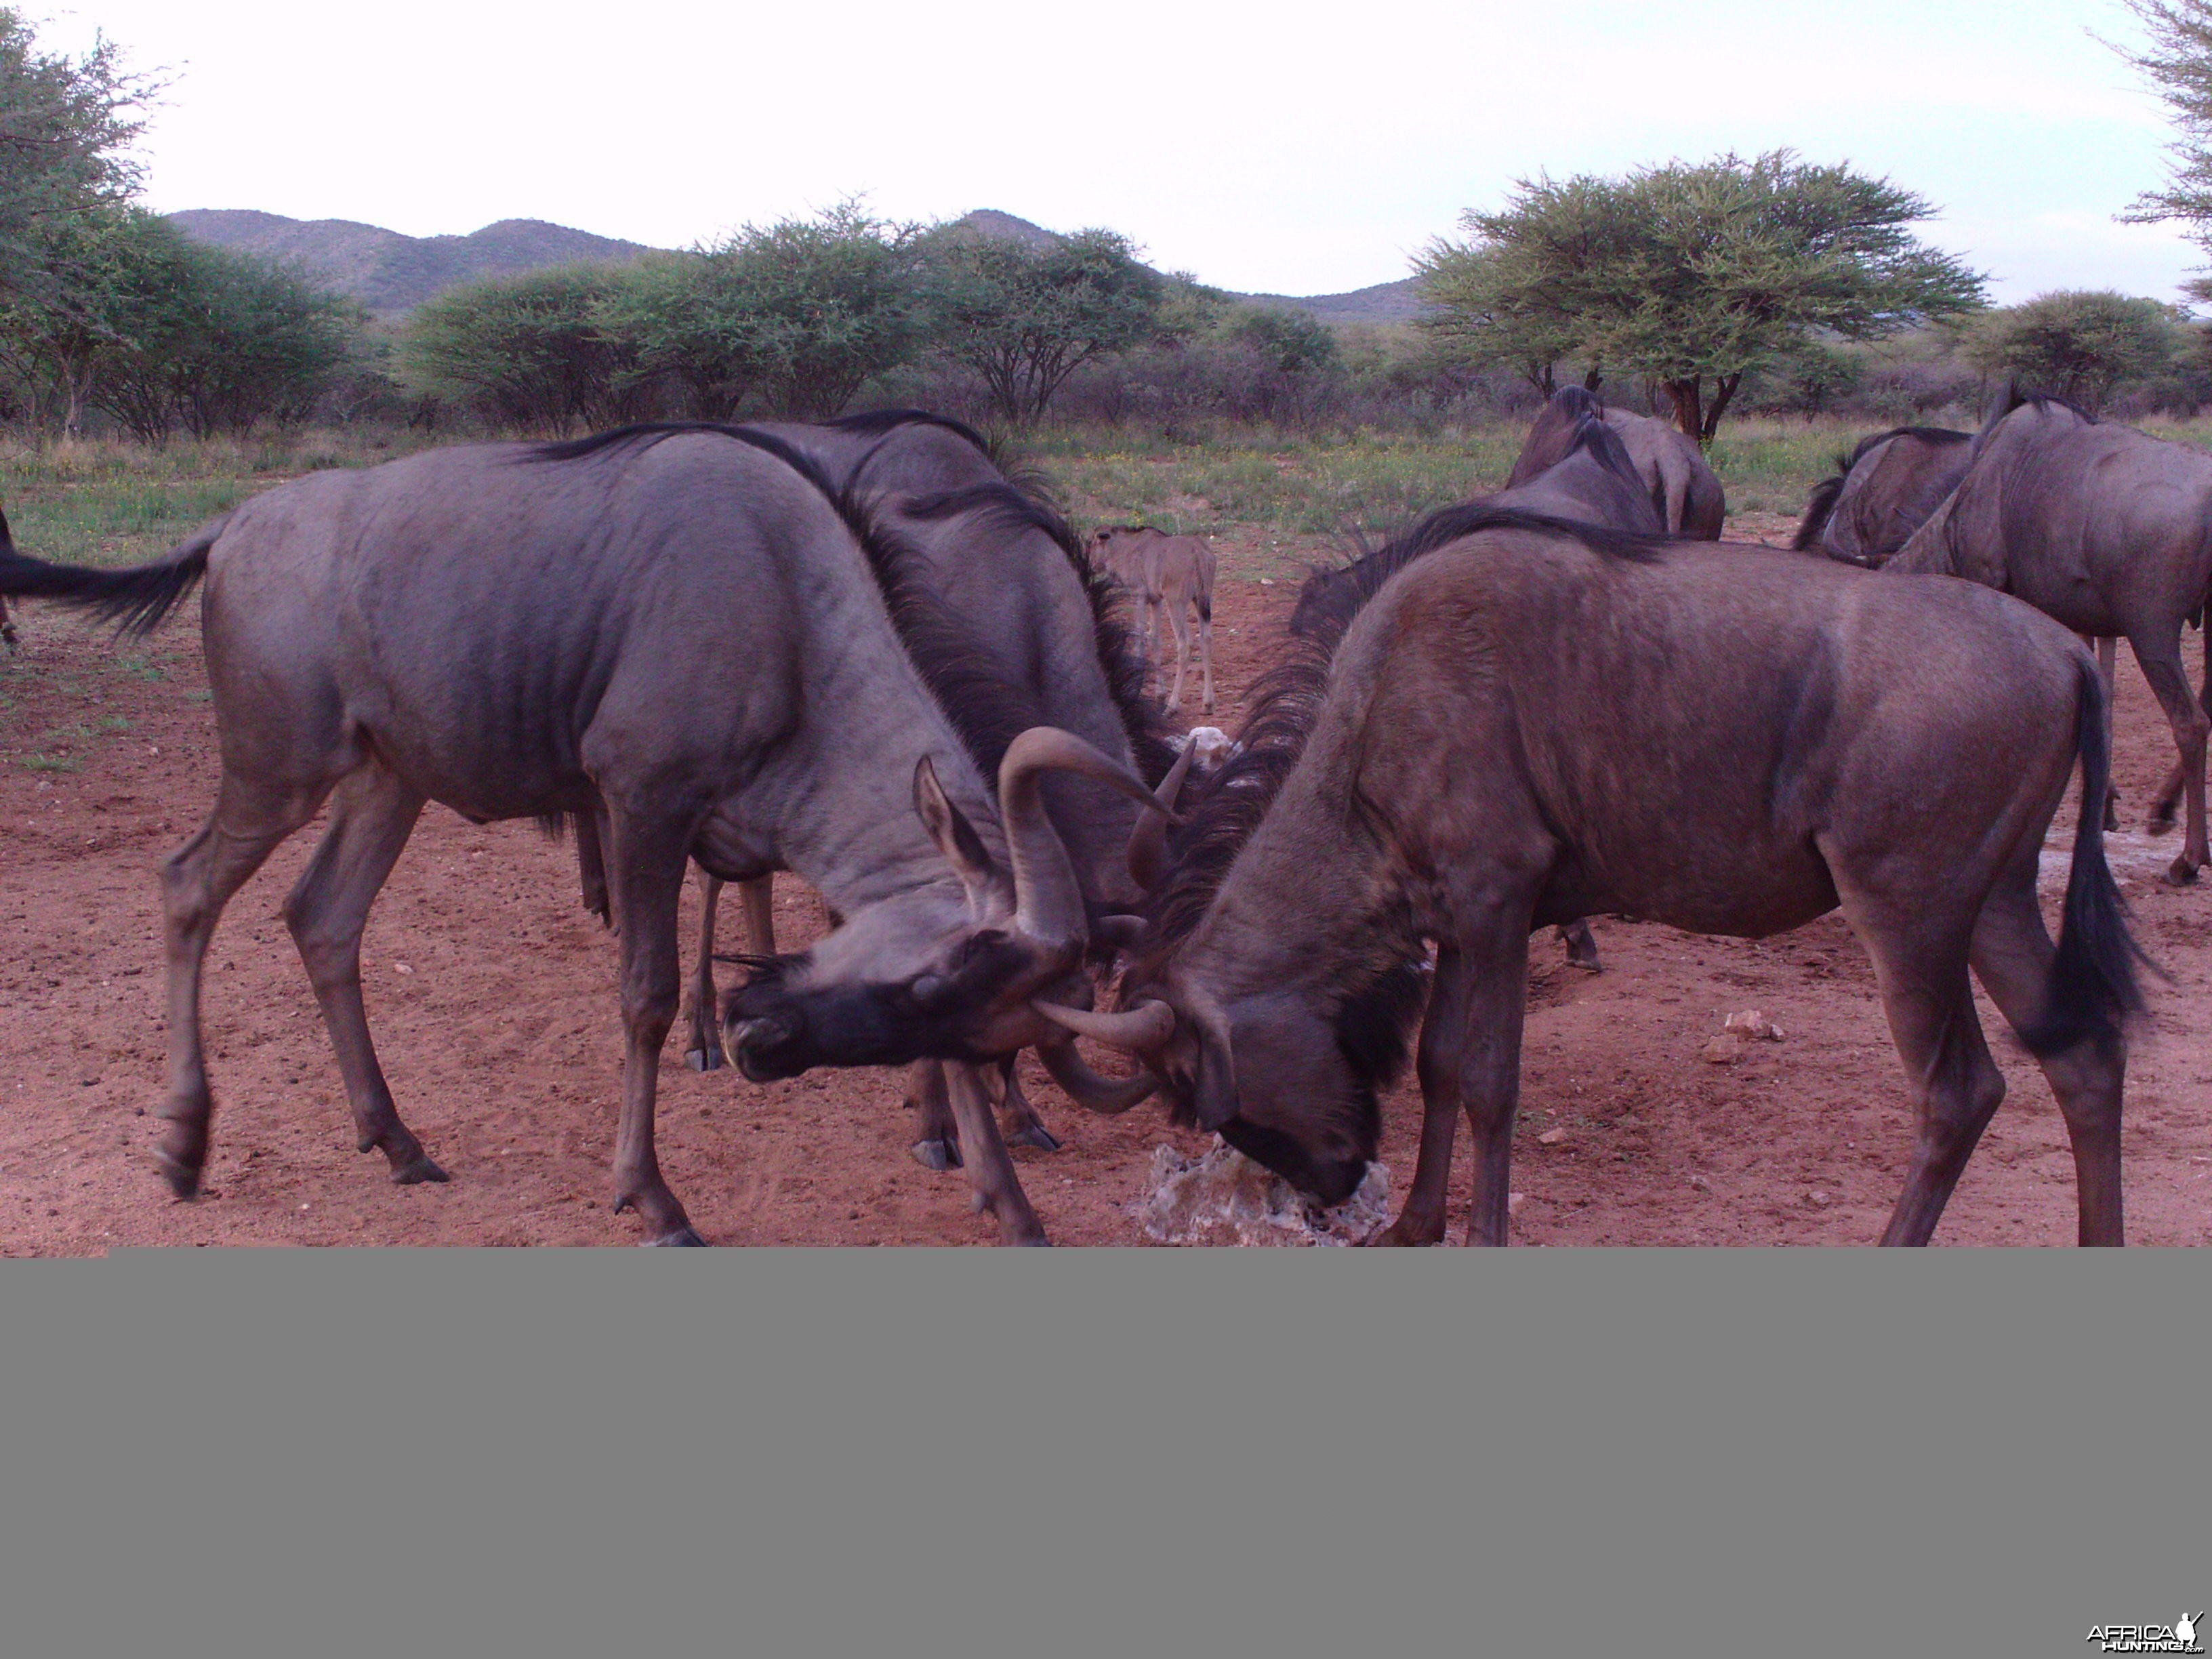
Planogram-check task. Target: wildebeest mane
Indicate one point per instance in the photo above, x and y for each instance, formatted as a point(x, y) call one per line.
point(965, 674)
point(1143, 718)
point(876, 422)
point(1286, 699)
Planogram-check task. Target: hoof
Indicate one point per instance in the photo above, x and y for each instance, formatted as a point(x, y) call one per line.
point(184, 1179)
point(1588, 965)
point(703, 1059)
point(417, 1171)
point(2181, 874)
point(938, 1155)
point(1033, 1133)
point(685, 1237)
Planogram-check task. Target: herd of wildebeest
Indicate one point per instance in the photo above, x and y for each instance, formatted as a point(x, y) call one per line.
point(863, 653)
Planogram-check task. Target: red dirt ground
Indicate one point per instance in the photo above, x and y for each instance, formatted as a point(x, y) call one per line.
point(491, 996)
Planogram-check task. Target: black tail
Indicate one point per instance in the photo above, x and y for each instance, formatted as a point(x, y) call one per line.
point(135, 600)
point(2092, 980)
point(1820, 508)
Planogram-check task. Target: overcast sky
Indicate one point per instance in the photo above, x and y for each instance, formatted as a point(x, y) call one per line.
point(1284, 150)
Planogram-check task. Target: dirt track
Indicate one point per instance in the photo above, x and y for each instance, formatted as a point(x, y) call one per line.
point(491, 996)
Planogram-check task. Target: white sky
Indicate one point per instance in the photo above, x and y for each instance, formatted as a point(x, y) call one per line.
point(1268, 149)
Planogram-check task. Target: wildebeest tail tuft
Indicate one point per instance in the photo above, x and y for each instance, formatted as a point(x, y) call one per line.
point(136, 600)
point(2092, 981)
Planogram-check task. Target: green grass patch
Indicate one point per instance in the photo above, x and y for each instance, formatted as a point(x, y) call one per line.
point(39, 763)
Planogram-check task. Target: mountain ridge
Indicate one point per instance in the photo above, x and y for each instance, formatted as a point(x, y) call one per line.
point(391, 273)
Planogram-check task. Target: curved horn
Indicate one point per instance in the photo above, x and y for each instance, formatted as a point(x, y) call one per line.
point(1140, 1030)
point(1091, 1090)
point(1048, 902)
point(1148, 841)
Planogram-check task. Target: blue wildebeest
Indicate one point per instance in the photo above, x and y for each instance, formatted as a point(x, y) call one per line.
point(1740, 741)
point(1041, 622)
point(2108, 531)
point(692, 636)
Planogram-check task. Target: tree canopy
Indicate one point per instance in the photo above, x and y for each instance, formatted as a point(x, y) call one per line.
point(2177, 61)
point(1690, 276)
point(2079, 343)
point(796, 315)
point(66, 125)
point(1024, 319)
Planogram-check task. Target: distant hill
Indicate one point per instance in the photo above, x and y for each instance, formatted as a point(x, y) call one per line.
point(390, 273)
point(1383, 302)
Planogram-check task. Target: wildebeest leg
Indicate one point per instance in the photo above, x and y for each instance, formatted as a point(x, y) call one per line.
point(198, 880)
point(939, 1148)
point(7, 628)
point(1437, 1063)
point(375, 814)
point(1489, 1070)
point(1205, 645)
point(1919, 948)
point(1178, 618)
point(646, 882)
point(702, 1050)
point(989, 1169)
point(591, 866)
point(1023, 1127)
point(2012, 955)
point(2108, 652)
point(2168, 799)
point(1582, 946)
point(2160, 661)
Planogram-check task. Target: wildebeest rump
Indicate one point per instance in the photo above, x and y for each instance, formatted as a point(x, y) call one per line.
point(1742, 740)
point(686, 633)
point(1685, 489)
point(2108, 531)
point(1882, 491)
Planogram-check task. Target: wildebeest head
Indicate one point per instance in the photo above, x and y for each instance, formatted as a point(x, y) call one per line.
point(945, 969)
point(1287, 1075)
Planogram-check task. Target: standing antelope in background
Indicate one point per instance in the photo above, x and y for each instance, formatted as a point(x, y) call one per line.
point(1172, 574)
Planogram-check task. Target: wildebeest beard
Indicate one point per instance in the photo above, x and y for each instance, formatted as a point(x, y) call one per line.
point(779, 1030)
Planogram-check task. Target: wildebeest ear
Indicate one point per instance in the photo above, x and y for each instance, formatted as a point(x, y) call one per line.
point(955, 836)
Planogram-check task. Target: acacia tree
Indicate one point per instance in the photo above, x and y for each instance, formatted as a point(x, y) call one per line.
point(2178, 62)
point(2079, 344)
point(1025, 318)
point(797, 315)
point(1691, 276)
point(529, 352)
point(66, 125)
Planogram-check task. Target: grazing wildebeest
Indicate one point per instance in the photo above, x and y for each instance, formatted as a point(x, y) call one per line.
point(1573, 465)
point(688, 634)
point(1172, 577)
point(1882, 491)
point(1742, 741)
point(1685, 490)
point(2108, 531)
point(1013, 567)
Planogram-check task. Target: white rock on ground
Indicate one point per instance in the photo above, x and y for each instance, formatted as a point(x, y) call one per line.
point(1224, 1198)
